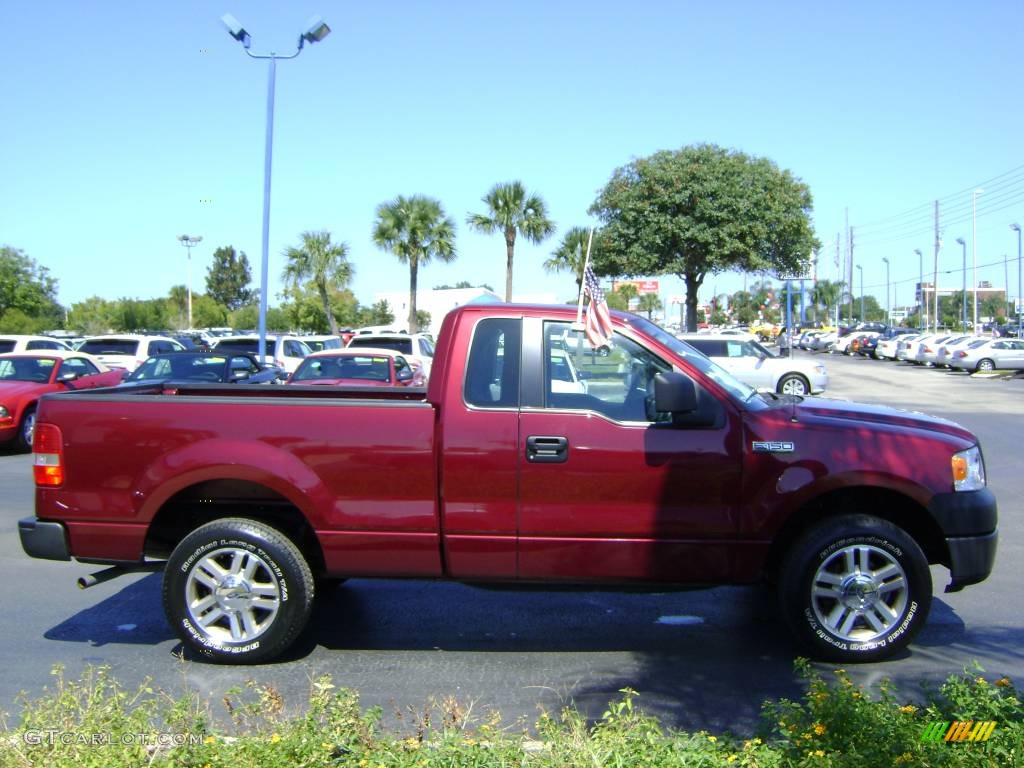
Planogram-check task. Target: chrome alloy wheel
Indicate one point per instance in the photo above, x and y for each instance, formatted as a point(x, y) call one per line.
point(860, 593)
point(232, 595)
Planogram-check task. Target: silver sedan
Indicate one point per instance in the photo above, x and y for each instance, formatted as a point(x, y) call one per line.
point(990, 355)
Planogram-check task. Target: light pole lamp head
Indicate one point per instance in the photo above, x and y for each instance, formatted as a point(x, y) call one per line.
point(917, 251)
point(316, 30)
point(235, 29)
point(1015, 227)
point(961, 241)
point(885, 259)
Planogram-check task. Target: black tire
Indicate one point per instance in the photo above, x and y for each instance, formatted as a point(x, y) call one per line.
point(793, 384)
point(26, 429)
point(263, 596)
point(855, 589)
point(986, 365)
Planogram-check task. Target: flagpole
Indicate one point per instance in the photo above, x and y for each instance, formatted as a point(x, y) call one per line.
point(586, 263)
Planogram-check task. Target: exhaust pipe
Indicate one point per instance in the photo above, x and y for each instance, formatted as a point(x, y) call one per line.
point(113, 572)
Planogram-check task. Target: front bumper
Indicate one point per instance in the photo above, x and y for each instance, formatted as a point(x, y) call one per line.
point(44, 539)
point(969, 522)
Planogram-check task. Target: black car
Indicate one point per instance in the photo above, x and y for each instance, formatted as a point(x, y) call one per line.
point(212, 367)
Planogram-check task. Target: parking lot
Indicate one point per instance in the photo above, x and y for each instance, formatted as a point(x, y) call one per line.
point(703, 659)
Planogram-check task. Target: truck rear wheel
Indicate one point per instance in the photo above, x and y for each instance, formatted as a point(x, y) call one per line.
point(855, 588)
point(237, 591)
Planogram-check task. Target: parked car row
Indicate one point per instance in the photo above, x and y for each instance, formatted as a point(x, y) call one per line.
point(948, 349)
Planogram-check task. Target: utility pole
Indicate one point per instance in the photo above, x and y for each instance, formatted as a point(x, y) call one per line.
point(851, 278)
point(935, 279)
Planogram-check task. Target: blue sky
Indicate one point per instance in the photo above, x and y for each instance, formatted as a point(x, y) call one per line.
point(122, 119)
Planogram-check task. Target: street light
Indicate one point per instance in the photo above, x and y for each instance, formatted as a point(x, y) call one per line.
point(861, 292)
point(922, 313)
point(974, 249)
point(1020, 301)
point(888, 304)
point(316, 30)
point(189, 242)
point(963, 293)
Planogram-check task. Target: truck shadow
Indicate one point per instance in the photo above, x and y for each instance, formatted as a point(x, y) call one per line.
point(699, 660)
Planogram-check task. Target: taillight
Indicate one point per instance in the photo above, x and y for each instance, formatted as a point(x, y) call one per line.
point(48, 455)
point(959, 353)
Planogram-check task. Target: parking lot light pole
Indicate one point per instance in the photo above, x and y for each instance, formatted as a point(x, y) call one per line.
point(974, 250)
point(963, 292)
point(316, 31)
point(189, 242)
point(888, 304)
point(1020, 294)
point(859, 267)
point(922, 311)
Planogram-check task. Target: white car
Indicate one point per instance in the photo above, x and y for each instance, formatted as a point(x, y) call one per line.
point(128, 350)
point(324, 342)
point(14, 342)
point(754, 365)
point(284, 351)
point(944, 352)
point(887, 348)
point(990, 355)
point(413, 345)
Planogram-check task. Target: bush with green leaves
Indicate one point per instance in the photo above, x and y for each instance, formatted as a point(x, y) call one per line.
point(94, 721)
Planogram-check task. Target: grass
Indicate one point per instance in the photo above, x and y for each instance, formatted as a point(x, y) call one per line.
point(93, 721)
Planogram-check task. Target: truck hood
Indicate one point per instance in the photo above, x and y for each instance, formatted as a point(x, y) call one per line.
point(815, 408)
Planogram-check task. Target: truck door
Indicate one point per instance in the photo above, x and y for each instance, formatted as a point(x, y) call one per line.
point(479, 454)
point(609, 490)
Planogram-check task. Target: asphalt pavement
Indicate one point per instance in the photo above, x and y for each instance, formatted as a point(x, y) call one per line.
point(701, 659)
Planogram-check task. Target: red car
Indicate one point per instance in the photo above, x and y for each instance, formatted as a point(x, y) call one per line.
point(25, 377)
point(365, 366)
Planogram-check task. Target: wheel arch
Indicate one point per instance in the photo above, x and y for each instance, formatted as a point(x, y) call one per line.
point(882, 503)
point(207, 500)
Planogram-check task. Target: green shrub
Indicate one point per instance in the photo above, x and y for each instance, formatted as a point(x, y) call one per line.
point(94, 721)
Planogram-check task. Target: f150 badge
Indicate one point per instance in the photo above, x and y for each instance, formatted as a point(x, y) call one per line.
point(772, 446)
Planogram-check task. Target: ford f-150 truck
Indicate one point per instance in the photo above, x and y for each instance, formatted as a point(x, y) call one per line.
point(659, 470)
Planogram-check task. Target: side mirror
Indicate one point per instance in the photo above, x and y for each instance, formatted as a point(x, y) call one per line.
point(674, 393)
point(405, 374)
point(67, 378)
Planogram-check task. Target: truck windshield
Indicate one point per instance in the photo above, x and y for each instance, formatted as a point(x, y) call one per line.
point(712, 370)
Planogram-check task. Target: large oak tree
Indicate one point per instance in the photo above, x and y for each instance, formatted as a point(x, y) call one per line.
point(702, 210)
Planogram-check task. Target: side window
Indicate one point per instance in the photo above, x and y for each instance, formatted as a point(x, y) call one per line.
point(735, 349)
point(492, 371)
point(37, 344)
point(617, 381)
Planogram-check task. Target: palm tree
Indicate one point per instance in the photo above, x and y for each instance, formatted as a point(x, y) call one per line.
point(571, 255)
point(321, 262)
point(415, 229)
point(511, 211)
point(650, 303)
point(827, 294)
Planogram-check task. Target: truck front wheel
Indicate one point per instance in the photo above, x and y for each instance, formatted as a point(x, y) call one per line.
point(237, 591)
point(855, 588)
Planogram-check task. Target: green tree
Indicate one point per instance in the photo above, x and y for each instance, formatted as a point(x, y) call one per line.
point(703, 210)
point(131, 315)
point(627, 291)
point(571, 254)
point(650, 303)
point(93, 317)
point(378, 314)
point(826, 295)
point(323, 264)
point(27, 287)
point(511, 211)
point(305, 310)
point(228, 277)
point(415, 229)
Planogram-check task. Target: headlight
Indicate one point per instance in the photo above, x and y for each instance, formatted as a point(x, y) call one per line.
point(4, 412)
point(968, 470)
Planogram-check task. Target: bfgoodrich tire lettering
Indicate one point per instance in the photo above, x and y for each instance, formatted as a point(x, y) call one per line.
point(855, 588)
point(237, 591)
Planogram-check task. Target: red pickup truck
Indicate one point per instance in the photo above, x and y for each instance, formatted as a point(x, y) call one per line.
point(529, 458)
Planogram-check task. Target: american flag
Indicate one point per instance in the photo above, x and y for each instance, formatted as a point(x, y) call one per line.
point(598, 324)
